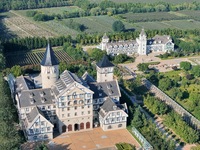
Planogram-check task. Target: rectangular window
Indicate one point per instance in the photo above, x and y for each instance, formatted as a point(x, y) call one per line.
point(82, 112)
point(48, 128)
point(63, 109)
point(68, 108)
point(68, 114)
point(88, 106)
point(82, 107)
point(88, 112)
point(63, 115)
point(75, 107)
point(27, 109)
point(42, 123)
point(75, 114)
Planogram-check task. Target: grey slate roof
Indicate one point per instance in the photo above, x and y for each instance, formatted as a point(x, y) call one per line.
point(31, 116)
point(128, 43)
point(66, 78)
point(36, 97)
point(104, 62)
point(108, 106)
point(105, 89)
point(88, 78)
point(24, 83)
point(159, 39)
point(49, 57)
point(105, 36)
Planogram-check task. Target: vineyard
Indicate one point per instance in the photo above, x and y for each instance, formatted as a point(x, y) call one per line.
point(32, 58)
point(22, 27)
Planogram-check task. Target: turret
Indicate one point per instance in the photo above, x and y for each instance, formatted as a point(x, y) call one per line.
point(104, 42)
point(49, 68)
point(104, 70)
point(142, 42)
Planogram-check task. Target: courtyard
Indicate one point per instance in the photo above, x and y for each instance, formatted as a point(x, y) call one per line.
point(92, 140)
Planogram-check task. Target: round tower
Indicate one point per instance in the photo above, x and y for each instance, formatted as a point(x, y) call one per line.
point(49, 68)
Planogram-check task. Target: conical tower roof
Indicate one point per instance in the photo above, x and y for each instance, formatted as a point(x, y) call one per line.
point(104, 62)
point(142, 32)
point(49, 57)
point(105, 36)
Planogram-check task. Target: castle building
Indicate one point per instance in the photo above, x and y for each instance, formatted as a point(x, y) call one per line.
point(141, 45)
point(66, 102)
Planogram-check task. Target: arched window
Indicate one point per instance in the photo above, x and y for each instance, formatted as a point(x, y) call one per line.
point(87, 125)
point(69, 127)
point(81, 126)
point(109, 127)
point(119, 125)
point(75, 102)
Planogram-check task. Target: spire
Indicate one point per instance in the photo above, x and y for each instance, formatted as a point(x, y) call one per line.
point(49, 57)
point(105, 36)
point(104, 62)
point(142, 33)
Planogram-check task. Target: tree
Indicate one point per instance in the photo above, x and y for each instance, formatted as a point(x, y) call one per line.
point(196, 70)
point(118, 26)
point(185, 65)
point(143, 67)
point(165, 84)
point(96, 53)
point(175, 93)
point(120, 58)
point(16, 70)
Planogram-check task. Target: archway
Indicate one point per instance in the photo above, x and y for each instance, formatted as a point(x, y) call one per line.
point(81, 126)
point(76, 127)
point(69, 127)
point(87, 125)
point(64, 128)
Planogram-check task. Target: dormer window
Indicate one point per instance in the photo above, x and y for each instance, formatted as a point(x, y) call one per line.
point(31, 95)
point(32, 101)
point(43, 100)
point(42, 94)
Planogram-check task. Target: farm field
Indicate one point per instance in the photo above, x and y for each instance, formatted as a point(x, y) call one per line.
point(144, 1)
point(34, 57)
point(94, 24)
point(153, 16)
point(178, 24)
point(21, 27)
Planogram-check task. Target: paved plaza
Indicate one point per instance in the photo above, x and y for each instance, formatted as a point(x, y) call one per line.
point(164, 66)
point(95, 139)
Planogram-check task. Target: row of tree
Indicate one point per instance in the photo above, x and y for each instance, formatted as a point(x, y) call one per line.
point(36, 42)
point(10, 136)
point(171, 119)
point(146, 127)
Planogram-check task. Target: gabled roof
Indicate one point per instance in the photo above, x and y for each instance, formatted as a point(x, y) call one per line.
point(33, 115)
point(109, 105)
point(104, 62)
point(49, 57)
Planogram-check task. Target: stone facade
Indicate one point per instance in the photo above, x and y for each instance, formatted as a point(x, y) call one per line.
point(141, 45)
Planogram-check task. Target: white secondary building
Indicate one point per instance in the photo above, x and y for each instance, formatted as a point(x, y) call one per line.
point(66, 102)
point(141, 46)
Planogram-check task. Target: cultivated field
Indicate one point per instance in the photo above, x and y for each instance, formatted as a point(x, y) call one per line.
point(34, 57)
point(22, 27)
point(145, 1)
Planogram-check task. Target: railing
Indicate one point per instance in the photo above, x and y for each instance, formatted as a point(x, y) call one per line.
point(178, 108)
point(145, 144)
